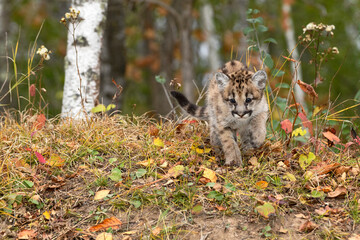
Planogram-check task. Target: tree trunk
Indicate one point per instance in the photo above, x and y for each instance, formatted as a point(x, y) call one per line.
point(288, 27)
point(187, 70)
point(4, 83)
point(113, 59)
point(83, 58)
point(211, 43)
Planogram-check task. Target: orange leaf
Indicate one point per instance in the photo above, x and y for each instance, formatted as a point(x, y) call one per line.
point(27, 234)
point(112, 222)
point(286, 125)
point(332, 137)
point(220, 208)
point(262, 184)
point(307, 88)
point(40, 122)
point(308, 226)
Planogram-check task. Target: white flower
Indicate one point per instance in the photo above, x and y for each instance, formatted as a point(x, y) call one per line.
point(335, 50)
point(329, 28)
point(309, 27)
point(44, 52)
point(67, 15)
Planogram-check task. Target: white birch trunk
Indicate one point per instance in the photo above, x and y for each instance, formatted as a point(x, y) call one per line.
point(88, 34)
point(291, 45)
point(211, 43)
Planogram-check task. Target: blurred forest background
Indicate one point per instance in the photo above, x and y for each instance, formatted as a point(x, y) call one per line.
point(143, 40)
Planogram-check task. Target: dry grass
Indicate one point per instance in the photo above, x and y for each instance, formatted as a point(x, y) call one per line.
point(81, 157)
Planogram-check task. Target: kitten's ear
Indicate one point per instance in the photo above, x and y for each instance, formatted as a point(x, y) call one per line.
point(259, 79)
point(222, 80)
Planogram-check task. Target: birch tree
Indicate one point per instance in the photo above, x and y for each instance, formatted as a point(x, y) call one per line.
point(82, 62)
point(211, 43)
point(4, 64)
point(288, 26)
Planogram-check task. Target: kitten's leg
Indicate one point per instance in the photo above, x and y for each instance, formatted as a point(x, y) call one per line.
point(253, 136)
point(230, 147)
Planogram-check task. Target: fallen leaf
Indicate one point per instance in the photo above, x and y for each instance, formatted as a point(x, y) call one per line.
point(40, 122)
point(332, 137)
point(210, 174)
point(307, 88)
point(47, 215)
point(253, 161)
point(153, 131)
point(55, 161)
point(40, 157)
point(354, 237)
point(146, 163)
point(266, 210)
point(197, 209)
point(324, 189)
point(262, 184)
point(129, 232)
point(286, 125)
point(176, 171)
point(306, 123)
point(220, 208)
point(300, 215)
point(339, 191)
point(156, 231)
point(158, 142)
point(324, 169)
point(290, 177)
point(112, 222)
point(308, 226)
point(101, 194)
point(104, 236)
point(283, 230)
point(305, 161)
point(27, 234)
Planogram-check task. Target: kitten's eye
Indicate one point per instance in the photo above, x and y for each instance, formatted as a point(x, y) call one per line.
point(232, 101)
point(248, 100)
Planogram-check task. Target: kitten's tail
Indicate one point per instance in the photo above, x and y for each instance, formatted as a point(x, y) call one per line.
point(193, 109)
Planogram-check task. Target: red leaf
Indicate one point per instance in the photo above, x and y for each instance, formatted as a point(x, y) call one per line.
point(40, 122)
point(332, 137)
point(32, 90)
point(306, 123)
point(286, 125)
point(40, 157)
point(307, 88)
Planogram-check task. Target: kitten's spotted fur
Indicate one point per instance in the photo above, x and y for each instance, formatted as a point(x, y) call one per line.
point(235, 103)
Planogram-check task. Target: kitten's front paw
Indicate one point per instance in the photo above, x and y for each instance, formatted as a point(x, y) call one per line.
point(233, 159)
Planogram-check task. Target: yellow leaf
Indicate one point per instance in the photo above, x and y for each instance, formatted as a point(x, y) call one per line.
point(47, 215)
point(290, 177)
point(146, 163)
point(262, 184)
point(200, 149)
point(101, 194)
point(176, 171)
point(55, 161)
point(210, 174)
point(298, 131)
point(104, 236)
point(158, 142)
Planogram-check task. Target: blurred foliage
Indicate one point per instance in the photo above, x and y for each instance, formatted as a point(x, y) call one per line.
point(26, 17)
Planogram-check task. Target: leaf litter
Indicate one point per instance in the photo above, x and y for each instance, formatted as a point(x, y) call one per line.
point(136, 177)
